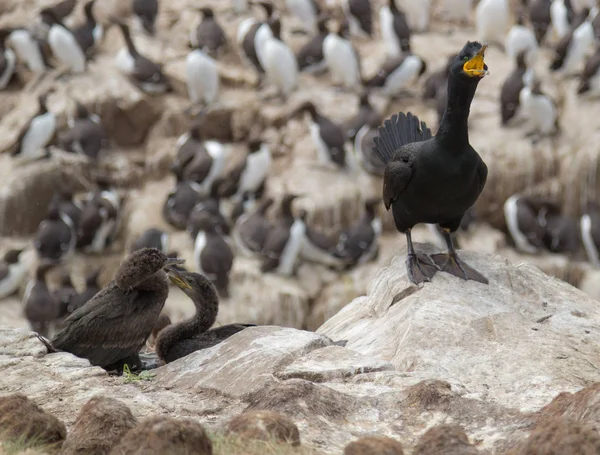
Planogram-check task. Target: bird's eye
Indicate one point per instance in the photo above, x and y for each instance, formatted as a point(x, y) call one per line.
point(466, 58)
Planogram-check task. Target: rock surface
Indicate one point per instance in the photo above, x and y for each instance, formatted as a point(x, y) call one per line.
point(497, 360)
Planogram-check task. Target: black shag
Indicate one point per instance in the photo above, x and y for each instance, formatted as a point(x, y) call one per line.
point(178, 340)
point(435, 179)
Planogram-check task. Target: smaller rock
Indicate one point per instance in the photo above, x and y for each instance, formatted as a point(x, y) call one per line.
point(265, 426)
point(160, 435)
point(100, 425)
point(374, 445)
point(446, 439)
point(21, 418)
point(560, 437)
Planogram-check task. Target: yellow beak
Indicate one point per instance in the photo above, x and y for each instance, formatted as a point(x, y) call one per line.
point(476, 66)
point(177, 279)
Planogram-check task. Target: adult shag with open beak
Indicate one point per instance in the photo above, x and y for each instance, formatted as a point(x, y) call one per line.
point(435, 179)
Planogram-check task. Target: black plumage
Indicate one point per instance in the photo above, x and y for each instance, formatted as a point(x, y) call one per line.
point(310, 56)
point(366, 115)
point(193, 334)
point(252, 229)
point(539, 15)
point(361, 12)
point(147, 12)
point(564, 45)
point(210, 204)
point(40, 307)
point(400, 26)
point(248, 42)
point(209, 35)
point(511, 89)
point(359, 244)
point(590, 71)
point(112, 327)
point(99, 220)
point(192, 162)
point(151, 238)
point(86, 136)
point(435, 179)
point(64, 294)
point(56, 235)
point(42, 111)
point(180, 202)
point(437, 80)
point(87, 34)
point(561, 232)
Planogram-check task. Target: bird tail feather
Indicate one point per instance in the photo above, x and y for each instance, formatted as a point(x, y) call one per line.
point(397, 131)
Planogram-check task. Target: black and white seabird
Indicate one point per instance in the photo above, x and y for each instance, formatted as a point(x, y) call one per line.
point(310, 56)
point(13, 271)
point(397, 73)
point(491, 21)
point(212, 254)
point(590, 233)
point(99, 220)
point(341, 58)
point(360, 243)
point(39, 306)
point(360, 16)
point(437, 80)
point(363, 148)
point(539, 108)
point(63, 9)
point(151, 238)
point(91, 289)
point(208, 35)
point(511, 90)
point(540, 17)
point(65, 202)
point(56, 236)
point(202, 77)
point(64, 294)
point(211, 205)
point(284, 241)
point(180, 203)
point(561, 16)
point(318, 247)
point(39, 133)
point(28, 49)
point(251, 229)
point(8, 60)
point(143, 72)
point(63, 43)
point(394, 29)
point(589, 81)
point(86, 135)
point(247, 37)
point(188, 145)
point(521, 216)
point(573, 48)
point(146, 11)
point(328, 137)
point(417, 14)
point(90, 33)
point(521, 39)
point(305, 10)
point(366, 115)
point(561, 231)
point(279, 61)
point(250, 175)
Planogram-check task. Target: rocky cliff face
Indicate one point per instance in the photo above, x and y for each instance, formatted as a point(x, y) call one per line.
point(497, 360)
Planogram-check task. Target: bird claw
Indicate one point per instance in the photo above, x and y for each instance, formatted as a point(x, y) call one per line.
point(420, 268)
point(452, 264)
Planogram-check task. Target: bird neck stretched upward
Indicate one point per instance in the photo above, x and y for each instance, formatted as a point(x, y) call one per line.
point(454, 127)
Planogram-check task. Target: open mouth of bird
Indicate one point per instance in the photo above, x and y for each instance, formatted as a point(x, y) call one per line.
point(476, 65)
point(178, 279)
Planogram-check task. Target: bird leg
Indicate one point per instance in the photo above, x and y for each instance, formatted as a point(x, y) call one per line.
point(419, 267)
point(450, 262)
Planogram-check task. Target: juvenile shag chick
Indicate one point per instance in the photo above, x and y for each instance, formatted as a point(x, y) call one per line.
point(310, 56)
point(360, 243)
point(511, 90)
point(342, 58)
point(56, 236)
point(423, 181)
point(394, 29)
point(181, 339)
point(213, 254)
point(202, 77)
point(279, 62)
point(12, 272)
point(143, 72)
point(208, 36)
point(152, 238)
point(91, 289)
point(63, 42)
point(39, 133)
point(8, 60)
point(39, 306)
point(86, 135)
point(112, 327)
point(366, 115)
point(360, 16)
point(251, 229)
point(146, 12)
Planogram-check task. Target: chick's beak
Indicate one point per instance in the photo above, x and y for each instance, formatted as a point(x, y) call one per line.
point(177, 278)
point(476, 65)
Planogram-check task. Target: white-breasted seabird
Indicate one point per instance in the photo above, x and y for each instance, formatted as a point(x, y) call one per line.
point(247, 37)
point(561, 16)
point(417, 14)
point(511, 90)
point(252, 228)
point(28, 49)
point(397, 73)
point(143, 72)
point(63, 43)
point(342, 58)
point(188, 145)
point(56, 236)
point(39, 133)
point(90, 32)
point(360, 243)
point(8, 60)
point(366, 115)
point(318, 247)
point(521, 216)
point(359, 14)
point(208, 35)
point(561, 231)
point(539, 108)
point(65, 202)
point(86, 135)
point(310, 56)
point(202, 77)
point(491, 21)
point(39, 306)
point(100, 220)
point(521, 39)
point(573, 48)
point(180, 202)
point(284, 241)
point(590, 233)
point(394, 29)
point(146, 12)
point(151, 238)
point(13, 271)
point(279, 62)
point(210, 204)
point(589, 81)
point(540, 17)
point(305, 10)
point(363, 148)
point(213, 255)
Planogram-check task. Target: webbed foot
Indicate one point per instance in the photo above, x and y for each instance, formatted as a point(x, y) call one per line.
point(452, 264)
point(420, 268)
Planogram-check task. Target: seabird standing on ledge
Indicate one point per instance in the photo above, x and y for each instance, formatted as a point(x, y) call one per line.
point(360, 243)
point(561, 15)
point(39, 306)
point(91, 289)
point(511, 90)
point(521, 217)
point(359, 16)
point(201, 77)
point(540, 17)
point(112, 328)
point(342, 58)
point(151, 238)
point(208, 35)
point(521, 39)
point(28, 49)
point(396, 73)
point(180, 203)
point(63, 43)
point(572, 49)
point(366, 115)
point(310, 56)
point(56, 236)
point(99, 220)
point(394, 29)
point(251, 229)
point(249, 40)
point(146, 11)
point(540, 109)
point(590, 233)
point(305, 10)
point(90, 33)
point(318, 247)
point(423, 181)
point(86, 136)
point(12, 272)
point(39, 133)
point(143, 72)
point(279, 62)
